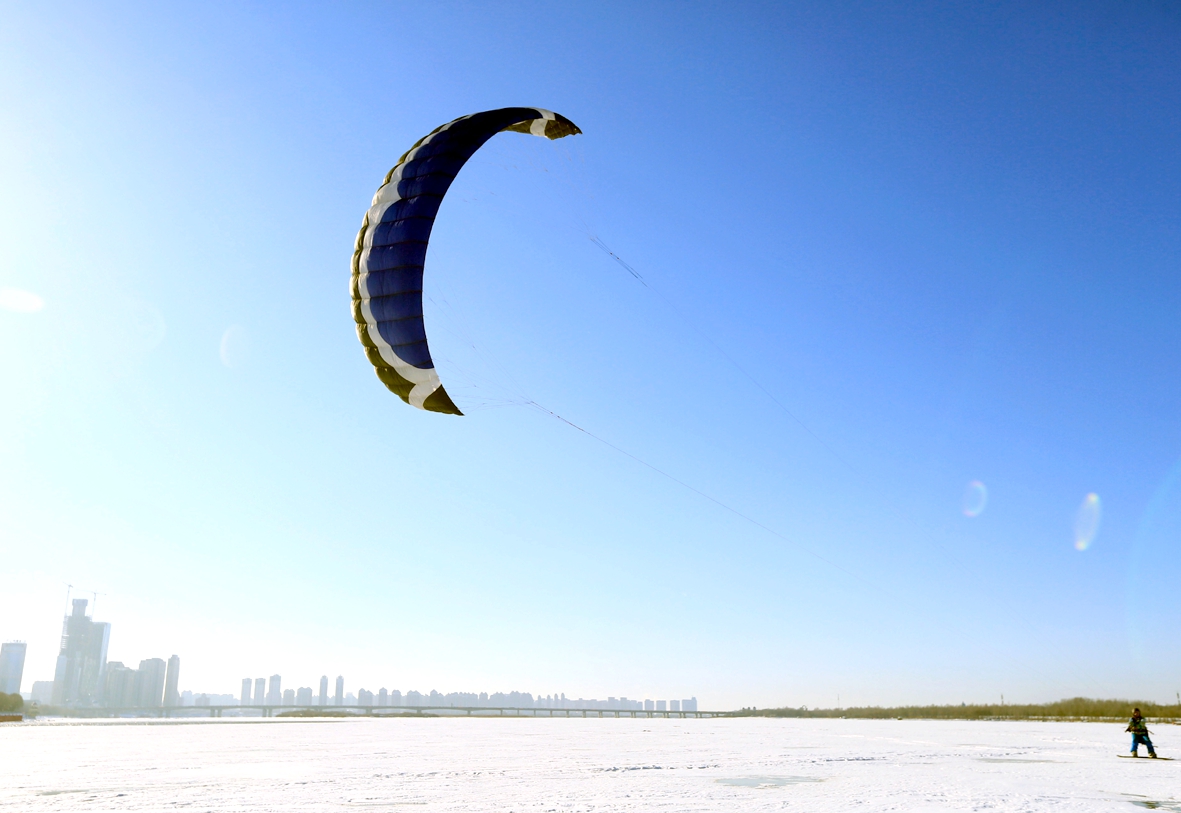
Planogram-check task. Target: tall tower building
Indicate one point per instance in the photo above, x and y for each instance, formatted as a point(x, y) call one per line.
point(172, 678)
point(340, 690)
point(152, 674)
point(260, 692)
point(324, 690)
point(81, 665)
point(275, 694)
point(12, 666)
point(245, 701)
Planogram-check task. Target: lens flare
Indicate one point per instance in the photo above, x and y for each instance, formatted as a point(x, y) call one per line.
point(18, 301)
point(975, 499)
point(235, 347)
point(1086, 521)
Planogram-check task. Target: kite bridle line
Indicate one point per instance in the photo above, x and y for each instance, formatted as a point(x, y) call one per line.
point(905, 516)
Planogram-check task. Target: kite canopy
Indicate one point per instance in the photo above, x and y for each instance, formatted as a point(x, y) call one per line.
point(391, 247)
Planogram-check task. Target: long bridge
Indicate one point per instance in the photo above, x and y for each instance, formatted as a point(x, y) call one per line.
point(394, 711)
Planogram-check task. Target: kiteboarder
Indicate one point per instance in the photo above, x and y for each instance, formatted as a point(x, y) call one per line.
point(1139, 728)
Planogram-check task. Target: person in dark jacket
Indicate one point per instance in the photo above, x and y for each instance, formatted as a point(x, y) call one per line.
point(1139, 728)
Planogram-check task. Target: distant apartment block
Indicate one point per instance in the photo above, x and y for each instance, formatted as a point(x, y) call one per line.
point(649, 705)
point(275, 692)
point(289, 697)
point(324, 690)
point(245, 699)
point(304, 696)
point(42, 693)
point(120, 688)
point(171, 678)
point(339, 690)
point(260, 691)
point(152, 676)
point(660, 705)
point(12, 666)
point(674, 705)
point(689, 705)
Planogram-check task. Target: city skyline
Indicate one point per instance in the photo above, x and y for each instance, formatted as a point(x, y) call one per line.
point(84, 679)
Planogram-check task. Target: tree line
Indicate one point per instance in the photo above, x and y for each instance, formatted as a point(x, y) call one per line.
point(1076, 708)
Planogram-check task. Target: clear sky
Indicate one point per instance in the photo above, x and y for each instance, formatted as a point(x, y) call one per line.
point(890, 251)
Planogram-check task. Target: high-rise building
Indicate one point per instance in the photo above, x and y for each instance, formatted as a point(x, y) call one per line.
point(152, 674)
point(339, 690)
point(12, 666)
point(660, 705)
point(689, 705)
point(275, 693)
point(260, 691)
point(42, 692)
point(172, 677)
point(674, 705)
point(649, 705)
point(324, 690)
point(383, 697)
point(245, 692)
point(289, 697)
point(119, 686)
point(81, 665)
point(364, 697)
point(304, 696)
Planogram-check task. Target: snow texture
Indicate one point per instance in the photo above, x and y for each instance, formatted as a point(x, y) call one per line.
point(748, 764)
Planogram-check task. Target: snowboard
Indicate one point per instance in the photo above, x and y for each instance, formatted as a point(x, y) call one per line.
point(1158, 759)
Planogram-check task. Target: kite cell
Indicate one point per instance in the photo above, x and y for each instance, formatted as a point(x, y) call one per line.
point(391, 247)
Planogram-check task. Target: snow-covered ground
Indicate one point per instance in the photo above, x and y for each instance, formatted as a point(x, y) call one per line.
point(582, 765)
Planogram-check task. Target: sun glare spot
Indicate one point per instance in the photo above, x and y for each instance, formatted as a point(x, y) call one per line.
point(975, 499)
point(1086, 521)
point(18, 301)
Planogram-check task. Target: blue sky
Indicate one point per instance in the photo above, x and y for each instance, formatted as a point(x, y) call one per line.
point(889, 250)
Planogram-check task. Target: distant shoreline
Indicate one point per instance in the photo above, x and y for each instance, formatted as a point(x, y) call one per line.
point(1078, 709)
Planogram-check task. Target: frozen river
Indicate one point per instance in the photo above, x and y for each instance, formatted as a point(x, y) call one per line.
point(581, 765)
